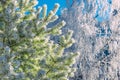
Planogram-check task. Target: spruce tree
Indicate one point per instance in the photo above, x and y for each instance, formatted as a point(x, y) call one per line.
point(26, 50)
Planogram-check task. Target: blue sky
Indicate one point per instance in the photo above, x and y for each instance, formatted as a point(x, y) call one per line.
point(50, 4)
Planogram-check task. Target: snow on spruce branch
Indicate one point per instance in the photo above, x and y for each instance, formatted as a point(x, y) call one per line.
point(26, 50)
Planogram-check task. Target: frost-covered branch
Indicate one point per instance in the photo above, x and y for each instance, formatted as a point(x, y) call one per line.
point(26, 50)
point(96, 30)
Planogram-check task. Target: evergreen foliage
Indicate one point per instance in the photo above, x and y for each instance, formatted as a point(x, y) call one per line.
point(26, 51)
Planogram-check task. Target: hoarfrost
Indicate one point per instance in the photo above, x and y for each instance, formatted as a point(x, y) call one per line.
point(96, 26)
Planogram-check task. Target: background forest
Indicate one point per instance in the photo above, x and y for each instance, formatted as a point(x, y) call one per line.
point(79, 42)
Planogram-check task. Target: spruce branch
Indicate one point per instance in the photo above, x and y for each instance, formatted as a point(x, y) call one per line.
point(26, 50)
